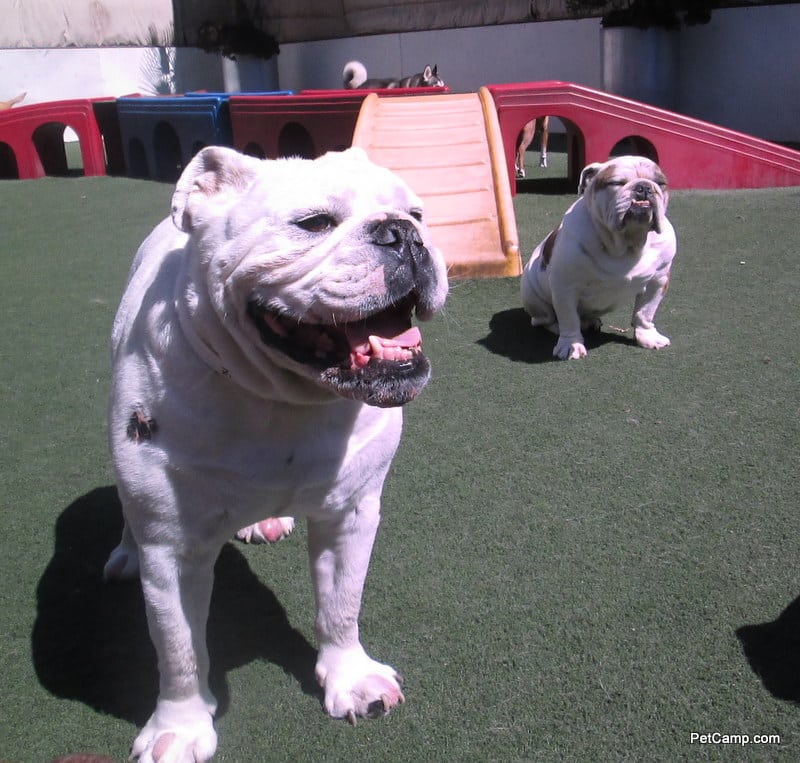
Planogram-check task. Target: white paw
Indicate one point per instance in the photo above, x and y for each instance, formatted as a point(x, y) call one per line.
point(268, 530)
point(356, 685)
point(177, 732)
point(566, 349)
point(650, 338)
point(122, 564)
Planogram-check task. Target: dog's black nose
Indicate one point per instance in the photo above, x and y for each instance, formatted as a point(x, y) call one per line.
point(396, 234)
point(642, 191)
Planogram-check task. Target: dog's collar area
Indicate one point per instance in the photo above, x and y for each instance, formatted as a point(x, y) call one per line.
point(386, 336)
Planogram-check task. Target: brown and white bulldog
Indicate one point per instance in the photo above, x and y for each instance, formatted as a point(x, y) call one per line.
point(614, 245)
point(261, 353)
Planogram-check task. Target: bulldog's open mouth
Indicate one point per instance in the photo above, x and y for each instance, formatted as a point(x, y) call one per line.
point(641, 211)
point(377, 359)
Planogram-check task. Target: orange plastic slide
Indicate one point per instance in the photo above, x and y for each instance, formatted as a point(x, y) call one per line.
point(448, 148)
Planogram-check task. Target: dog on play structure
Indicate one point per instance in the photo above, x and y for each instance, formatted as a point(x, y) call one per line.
point(354, 76)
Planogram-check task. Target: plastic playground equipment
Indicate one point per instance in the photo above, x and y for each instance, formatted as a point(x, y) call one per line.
point(449, 149)
point(32, 138)
point(692, 153)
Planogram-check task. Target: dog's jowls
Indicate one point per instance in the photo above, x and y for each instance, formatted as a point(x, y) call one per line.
point(260, 353)
point(614, 245)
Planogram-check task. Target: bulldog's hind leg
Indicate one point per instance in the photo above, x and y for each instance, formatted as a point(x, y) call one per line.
point(269, 530)
point(177, 591)
point(539, 309)
point(353, 683)
point(123, 561)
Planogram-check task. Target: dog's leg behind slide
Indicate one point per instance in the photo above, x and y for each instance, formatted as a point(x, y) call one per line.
point(544, 123)
point(524, 139)
point(339, 551)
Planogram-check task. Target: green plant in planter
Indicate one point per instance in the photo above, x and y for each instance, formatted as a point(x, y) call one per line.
point(245, 37)
point(645, 14)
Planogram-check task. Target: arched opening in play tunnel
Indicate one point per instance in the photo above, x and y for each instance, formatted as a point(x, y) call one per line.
point(294, 140)
point(9, 170)
point(59, 149)
point(635, 145)
point(254, 149)
point(168, 157)
point(137, 160)
point(553, 160)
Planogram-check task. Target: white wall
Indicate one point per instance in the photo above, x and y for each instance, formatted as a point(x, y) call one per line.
point(49, 74)
point(742, 70)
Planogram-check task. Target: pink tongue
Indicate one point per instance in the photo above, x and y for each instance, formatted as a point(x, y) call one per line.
point(409, 338)
point(368, 342)
point(390, 333)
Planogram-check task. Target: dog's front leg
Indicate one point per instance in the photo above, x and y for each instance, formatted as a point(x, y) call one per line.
point(339, 551)
point(177, 591)
point(570, 344)
point(644, 312)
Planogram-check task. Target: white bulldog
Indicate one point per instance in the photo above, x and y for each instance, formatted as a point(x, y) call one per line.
point(614, 244)
point(260, 353)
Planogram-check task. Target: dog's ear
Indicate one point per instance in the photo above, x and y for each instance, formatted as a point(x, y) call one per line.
point(213, 171)
point(587, 175)
point(428, 73)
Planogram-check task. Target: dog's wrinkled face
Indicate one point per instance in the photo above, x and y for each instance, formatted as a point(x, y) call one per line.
point(626, 193)
point(317, 266)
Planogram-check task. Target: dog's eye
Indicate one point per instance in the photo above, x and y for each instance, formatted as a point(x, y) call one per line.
point(416, 214)
point(318, 223)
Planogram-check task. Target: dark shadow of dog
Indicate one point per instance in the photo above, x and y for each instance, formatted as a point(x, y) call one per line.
point(512, 336)
point(773, 651)
point(90, 641)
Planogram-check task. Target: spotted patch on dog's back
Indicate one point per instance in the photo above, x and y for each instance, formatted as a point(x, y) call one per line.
point(549, 243)
point(140, 427)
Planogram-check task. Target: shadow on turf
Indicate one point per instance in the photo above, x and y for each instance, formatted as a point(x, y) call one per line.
point(90, 640)
point(512, 336)
point(546, 186)
point(773, 651)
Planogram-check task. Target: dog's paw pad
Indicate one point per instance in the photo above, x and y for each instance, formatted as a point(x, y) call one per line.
point(372, 697)
point(122, 564)
point(651, 339)
point(357, 686)
point(176, 733)
point(268, 530)
point(392, 697)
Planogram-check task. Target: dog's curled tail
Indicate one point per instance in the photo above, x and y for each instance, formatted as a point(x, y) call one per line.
point(354, 74)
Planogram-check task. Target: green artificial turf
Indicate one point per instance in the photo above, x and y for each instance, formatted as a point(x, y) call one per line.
point(579, 561)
